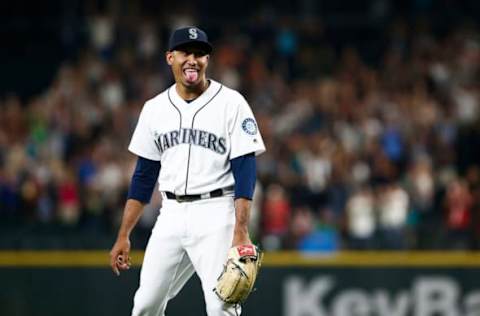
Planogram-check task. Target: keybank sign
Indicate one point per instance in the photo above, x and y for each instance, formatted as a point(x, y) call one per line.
point(427, 296)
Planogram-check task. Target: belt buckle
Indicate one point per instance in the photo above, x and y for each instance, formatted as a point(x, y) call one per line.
point(184, 198)
point(179, 198)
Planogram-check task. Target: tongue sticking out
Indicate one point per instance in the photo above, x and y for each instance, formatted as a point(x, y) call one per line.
point(191, 75)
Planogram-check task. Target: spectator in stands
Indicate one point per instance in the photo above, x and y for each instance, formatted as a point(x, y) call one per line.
point(275, 217)
point(361, 222)
point(458, 204)
point(393, 208)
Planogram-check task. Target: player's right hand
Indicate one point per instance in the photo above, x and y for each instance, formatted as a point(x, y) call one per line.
point(120, 255)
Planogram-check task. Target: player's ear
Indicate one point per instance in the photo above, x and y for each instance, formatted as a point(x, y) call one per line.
point(169, 57)
point(207, 59)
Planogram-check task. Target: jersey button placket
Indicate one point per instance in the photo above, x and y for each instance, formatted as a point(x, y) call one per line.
point(188, 124)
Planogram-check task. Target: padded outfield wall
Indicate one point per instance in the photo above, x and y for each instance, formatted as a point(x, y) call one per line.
point(60, 283)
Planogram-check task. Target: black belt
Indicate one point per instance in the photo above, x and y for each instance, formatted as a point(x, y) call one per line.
point(195, 197)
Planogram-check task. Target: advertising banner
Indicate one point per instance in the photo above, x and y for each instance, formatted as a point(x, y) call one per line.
point(365, 284)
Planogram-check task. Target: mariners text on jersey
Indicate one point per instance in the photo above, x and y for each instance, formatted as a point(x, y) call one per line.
point(191, 136)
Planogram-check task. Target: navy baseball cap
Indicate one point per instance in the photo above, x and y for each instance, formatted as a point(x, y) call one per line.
point(189, 35)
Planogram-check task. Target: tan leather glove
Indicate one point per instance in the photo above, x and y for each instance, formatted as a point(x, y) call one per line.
point(236, 281)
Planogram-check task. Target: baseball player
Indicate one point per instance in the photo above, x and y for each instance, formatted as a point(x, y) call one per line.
point(199, 139)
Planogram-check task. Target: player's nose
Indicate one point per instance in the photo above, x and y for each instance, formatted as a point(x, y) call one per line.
point(191, 58)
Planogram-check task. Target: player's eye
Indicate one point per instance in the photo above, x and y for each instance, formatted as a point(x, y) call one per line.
point(196, 54)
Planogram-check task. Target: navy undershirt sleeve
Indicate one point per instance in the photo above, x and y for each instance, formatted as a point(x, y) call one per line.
point(244, 171)
point(143, 180)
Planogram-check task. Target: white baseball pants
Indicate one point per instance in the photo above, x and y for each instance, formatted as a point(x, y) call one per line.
point(187, 237)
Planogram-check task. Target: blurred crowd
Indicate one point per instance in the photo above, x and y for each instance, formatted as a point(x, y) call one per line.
point(360, 155)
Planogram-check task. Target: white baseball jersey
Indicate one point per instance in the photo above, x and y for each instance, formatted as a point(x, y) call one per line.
point(195, 141)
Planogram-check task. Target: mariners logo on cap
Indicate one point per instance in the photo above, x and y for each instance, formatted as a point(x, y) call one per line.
point(192, 33)
point(249, 126)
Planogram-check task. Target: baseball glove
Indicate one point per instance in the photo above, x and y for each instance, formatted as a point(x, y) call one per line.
point(236, 281)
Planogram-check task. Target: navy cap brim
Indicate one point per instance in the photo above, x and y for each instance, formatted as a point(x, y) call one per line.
point(207, 47)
